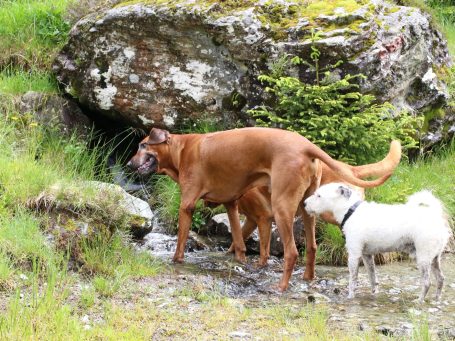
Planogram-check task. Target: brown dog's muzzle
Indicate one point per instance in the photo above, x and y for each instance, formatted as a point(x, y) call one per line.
point(143, 164)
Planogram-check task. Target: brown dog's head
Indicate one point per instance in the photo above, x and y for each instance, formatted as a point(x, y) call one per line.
point(146, 160)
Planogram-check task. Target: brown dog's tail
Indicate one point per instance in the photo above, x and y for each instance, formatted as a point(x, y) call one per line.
point(351, 174)
point(383, 167)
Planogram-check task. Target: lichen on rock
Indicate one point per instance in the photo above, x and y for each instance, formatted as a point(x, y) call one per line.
point(161, 62)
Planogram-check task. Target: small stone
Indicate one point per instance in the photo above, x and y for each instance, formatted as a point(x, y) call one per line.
point(85, 319)
point(384, 330)
point(363, 326)
point(23, 277)
point(433, 310)
point(394, 291)
point(240, 335)
point(447, 333)
point(414, 311)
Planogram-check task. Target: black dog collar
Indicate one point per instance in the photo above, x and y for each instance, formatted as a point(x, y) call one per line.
point(349, 213)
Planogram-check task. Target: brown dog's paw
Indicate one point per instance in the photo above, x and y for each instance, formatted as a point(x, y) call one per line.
point(273, 289)
point(231, 249)
point(308, 276)
point(260, 264)
point(241, 258)
point(177, 259)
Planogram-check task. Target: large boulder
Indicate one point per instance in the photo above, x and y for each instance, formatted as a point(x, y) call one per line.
point(161, 63)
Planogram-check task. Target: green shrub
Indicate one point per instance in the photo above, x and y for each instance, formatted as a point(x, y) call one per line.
point(333, 114)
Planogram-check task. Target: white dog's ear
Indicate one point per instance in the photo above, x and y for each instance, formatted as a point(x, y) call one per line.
point(344, 191)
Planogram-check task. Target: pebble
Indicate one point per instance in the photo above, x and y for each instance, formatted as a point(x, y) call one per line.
point(240, 335)
point(23, 277)
point(415, 312)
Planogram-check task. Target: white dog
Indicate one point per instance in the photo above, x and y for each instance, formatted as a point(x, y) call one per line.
point(419, 227)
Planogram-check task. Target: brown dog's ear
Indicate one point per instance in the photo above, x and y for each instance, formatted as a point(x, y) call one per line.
point(158, 136)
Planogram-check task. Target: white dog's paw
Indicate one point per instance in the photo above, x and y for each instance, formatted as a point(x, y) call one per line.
point(351, 296)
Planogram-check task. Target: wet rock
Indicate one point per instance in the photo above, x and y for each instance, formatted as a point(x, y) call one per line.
point(240, 335)
point(166, 63)
point(385, 330)
point(447, 333)
point(364, 326)
point(56, 112)
point(405, 329)
point(217, 226)
point(162, 244)
point(318, 298)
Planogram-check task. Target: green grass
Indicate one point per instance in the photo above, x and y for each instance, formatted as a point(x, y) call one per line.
point(17, 82)
point(115, 255)
point(22, 240)
point(434, 172)
point(32, 31)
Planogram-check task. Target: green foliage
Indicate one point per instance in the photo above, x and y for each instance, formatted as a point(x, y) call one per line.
point(333, 114)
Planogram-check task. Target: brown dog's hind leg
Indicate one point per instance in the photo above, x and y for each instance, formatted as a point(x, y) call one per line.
point(236, 231)
point(247, 229)
point(264, 230)
point(309, 224)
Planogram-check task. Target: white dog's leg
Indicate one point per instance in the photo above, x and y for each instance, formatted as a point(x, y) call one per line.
point(353, 264)
point(368, 261)
point(436, 269)
point(425, 273)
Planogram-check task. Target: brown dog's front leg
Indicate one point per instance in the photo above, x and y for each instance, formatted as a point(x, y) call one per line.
point(309, 224)
point(185, 216)
point(236, 231)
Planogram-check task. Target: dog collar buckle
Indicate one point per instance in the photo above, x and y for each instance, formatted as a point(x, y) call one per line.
point(349, 213)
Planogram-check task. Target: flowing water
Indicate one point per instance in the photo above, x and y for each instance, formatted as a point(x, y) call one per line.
point(391, 311)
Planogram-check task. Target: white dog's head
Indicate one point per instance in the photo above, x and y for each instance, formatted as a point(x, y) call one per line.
point(335, 198)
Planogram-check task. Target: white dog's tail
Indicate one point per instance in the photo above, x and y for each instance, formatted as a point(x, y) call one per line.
point(426, 199)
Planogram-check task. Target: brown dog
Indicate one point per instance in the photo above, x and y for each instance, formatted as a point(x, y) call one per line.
point(256, 206)
point(222, 166)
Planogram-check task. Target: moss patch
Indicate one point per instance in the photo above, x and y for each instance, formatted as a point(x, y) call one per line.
point(276, 17)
